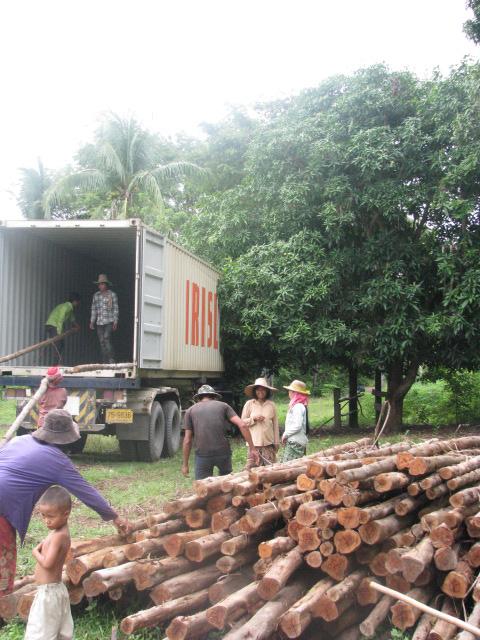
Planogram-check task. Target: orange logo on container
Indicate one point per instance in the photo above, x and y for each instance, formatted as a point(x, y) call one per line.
point(201, 316)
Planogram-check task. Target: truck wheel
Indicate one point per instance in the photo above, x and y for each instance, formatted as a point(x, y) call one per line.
point(79, 445)
point(128, 450)
point(151, 450)
point(172, 428)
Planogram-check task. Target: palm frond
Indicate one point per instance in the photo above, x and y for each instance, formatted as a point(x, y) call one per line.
point(84, 181)
point(178, 170)
point(111, 160)
point(146, 181)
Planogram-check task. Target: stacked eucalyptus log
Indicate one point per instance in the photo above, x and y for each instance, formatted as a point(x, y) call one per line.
point(290, 549)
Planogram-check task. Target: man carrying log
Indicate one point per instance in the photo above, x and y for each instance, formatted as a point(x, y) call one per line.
point(28, 466)
point(55, 324)
point(205, 424)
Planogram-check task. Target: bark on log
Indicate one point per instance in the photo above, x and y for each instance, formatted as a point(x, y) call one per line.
point(437, 492)
point(104, 579)
point(206, 546)
point(156, 615)
point(276, 546)
point(175, 544)
point(424, 627)
point(174, 507)
point(365, 594)
point(227, 564)
point(151, 547)
point(407, 505)
point(380, 510)
point(336, 599)
point(9, 603)
point(329, 520)
point(431, 481)
point(398, 583)
point(443, 630)
point(116, 556)
point(147, 574)
point(223, 519)
point(263, 514)
point(392, 481)
point(265, 621)
point(308, 513)
point(376, 617)
point(462, 481)
point(367, 471)
point(446, 559)
point(466, 497)
point(277, 576)
point(379, 530)
point(416, 559)
point(83, 547)
point(194, 627)
point(166, 528)
point(80, 566)
point(358, 497)
point(449, 472)
point(284, 490)
point(209, 487)
point(157, 518)
point(227, 585)
point(184, 584)
point(294, 622)
point(236, 603)
point(420, 465)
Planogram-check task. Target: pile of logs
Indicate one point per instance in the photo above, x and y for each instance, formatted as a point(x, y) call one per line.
point(290, 550)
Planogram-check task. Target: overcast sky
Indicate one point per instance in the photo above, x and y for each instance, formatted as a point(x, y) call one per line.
point(176, 63)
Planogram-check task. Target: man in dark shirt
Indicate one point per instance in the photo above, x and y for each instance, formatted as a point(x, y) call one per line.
point(205, 424)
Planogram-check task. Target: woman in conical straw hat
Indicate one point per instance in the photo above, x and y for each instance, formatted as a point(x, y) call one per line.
point(260, 415)
point(295, 435)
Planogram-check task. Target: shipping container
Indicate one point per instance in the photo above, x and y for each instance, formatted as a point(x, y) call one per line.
point(168, 334)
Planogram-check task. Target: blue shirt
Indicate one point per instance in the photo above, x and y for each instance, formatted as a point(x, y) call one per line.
point(27, 468)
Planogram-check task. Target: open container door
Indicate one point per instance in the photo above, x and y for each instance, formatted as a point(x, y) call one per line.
point(151, 274)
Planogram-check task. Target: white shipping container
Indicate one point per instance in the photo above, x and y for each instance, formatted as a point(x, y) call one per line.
point(169, 320)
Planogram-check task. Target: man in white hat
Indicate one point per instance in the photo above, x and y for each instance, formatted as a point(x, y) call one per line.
point(104, 316)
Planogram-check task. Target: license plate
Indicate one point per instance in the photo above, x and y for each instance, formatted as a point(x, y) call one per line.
point(118, 416)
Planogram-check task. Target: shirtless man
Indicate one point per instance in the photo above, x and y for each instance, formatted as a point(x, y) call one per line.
point(50, 615)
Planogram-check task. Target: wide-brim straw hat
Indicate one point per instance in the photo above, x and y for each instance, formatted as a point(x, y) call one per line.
point(299, 387)
point(259, 382)
point(206, 390)
point(102, 278)
point(58, 428)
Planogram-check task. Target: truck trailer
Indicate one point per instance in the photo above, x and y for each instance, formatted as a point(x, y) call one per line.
point(168, 333)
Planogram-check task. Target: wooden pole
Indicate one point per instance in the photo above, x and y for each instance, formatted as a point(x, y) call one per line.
point(426, 609)
point(40, 392)
point(337, 414)
point(38, 345)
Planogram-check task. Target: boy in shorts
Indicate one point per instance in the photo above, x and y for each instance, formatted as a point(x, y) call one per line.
point(50, 616)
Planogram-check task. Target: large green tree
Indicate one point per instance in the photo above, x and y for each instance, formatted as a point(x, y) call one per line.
point(121, 173)
point(362, 196)
point(472, 26)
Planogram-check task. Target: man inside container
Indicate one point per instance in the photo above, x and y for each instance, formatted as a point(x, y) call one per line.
point(59, 316)
point(104, 316)
point(205, 424)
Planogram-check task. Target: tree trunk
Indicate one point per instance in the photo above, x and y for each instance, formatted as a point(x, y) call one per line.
point(156, 615)
point(104, 579)
point(294, 622)
point(397, 388)
point(352, 394)
point(278, 574)
point(148, 574)
point(175, 545)
point(227, 585)
point(238, 602)
point(193, 627)
point(375, 618)
point(206, 546)
point(185, 584)
point(228, 564)
point(276, 546)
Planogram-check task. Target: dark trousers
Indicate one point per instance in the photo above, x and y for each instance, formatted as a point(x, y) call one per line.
point(57, 347)
point(104, 333)
point(204, 465)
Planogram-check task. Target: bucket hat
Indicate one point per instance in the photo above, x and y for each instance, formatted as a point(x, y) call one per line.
point(102, 277)
point(206, 390)
point(58, 428)
point(259, 382)
point(299, 387)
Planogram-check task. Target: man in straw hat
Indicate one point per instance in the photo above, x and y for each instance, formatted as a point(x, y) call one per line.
point(205, 424)
point(28, 466)
point(260, 416)
point(104, 316)
point(296, 423)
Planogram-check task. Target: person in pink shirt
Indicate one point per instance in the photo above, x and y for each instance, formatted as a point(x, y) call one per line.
point(54, 398)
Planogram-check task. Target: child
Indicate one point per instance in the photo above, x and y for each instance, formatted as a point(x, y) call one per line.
point(50, 616)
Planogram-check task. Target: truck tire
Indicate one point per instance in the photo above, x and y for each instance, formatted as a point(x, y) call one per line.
point(79, 445)
point(151, 450)
point(128, 450)
point(173, 428)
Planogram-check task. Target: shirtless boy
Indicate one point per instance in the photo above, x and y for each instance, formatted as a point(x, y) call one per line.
point(50, 617)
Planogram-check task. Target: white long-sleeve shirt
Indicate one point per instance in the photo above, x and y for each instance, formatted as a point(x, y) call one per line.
point(296, 425)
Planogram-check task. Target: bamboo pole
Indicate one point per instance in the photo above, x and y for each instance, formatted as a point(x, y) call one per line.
point(38, 345)
point(40, 392)
point(426, 609)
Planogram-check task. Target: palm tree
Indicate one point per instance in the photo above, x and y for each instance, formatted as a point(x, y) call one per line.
point(121, 164)
point(34, 184)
